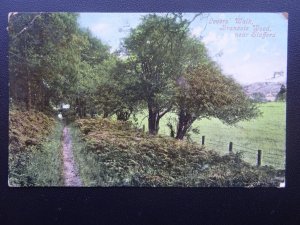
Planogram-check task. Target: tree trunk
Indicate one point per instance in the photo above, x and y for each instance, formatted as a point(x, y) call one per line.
point(153, 121)
point(12, 88)
point(184, 123)
point(84, 111)
point(81, 107)
point(29, 102)
point(105, 114)
point(92, 112)
point(123, 115)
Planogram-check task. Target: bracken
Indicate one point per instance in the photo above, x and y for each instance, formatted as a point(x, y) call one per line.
point(128, 157)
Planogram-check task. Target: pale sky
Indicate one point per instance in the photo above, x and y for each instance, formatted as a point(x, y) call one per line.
point(252, 45)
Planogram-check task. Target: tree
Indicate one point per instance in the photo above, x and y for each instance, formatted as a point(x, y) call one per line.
point(203, 92)
point(53, 61)
point(157, 50)
point(258, 97)
point(281, 96)
point(125, 90)
point(115, 90)
point(95, 63)
point(41, 57)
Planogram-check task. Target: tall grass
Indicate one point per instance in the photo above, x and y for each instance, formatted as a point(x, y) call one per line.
point(266, 133)
point(39, 165)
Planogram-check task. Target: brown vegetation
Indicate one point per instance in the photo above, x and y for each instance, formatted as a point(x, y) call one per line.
point(125, 156)
point(27, 128)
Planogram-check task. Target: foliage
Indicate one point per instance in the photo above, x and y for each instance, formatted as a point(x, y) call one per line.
point(118, 154)
point(157, 54)
point(258, 97)
point(260, 133)
point(53, 61)
point(281, 96)
point(34, 160)
point(27, 128)
point(204, 92)
point(94, 68)
point(116, 94)
point(42, 49)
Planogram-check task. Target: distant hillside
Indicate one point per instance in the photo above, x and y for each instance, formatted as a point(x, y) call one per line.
point(266, 91)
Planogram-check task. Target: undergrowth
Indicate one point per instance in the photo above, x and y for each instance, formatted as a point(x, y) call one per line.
point(113, 153)
point(27, 128)
point(37, 162)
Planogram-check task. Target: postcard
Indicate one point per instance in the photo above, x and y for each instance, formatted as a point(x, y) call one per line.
point(147, 99)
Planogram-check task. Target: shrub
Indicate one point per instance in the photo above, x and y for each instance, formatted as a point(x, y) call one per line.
point(117, 154)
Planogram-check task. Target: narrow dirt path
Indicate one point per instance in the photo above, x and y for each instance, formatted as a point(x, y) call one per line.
point(71, 175)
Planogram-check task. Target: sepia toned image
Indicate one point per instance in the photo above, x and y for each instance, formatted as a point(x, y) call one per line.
point(147, 99)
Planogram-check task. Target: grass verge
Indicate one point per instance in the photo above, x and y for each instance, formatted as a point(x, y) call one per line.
point(38, 165)
point(87, 163)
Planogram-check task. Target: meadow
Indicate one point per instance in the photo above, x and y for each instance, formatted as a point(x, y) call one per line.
point(266, 133)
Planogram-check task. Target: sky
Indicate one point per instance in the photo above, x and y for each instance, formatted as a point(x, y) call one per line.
point(251, 47)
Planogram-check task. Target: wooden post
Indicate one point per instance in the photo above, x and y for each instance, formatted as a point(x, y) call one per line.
point(230, 147)
point(203, 140)
point(259, 158)
point(144, 128)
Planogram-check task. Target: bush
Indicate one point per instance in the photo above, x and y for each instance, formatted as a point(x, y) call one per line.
point(27, 128)
point(34, 150)
point(115, 153)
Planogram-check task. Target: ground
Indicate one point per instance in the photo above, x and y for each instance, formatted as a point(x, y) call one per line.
point(105, 152)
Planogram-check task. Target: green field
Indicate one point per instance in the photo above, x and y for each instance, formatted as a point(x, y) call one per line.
point(266, 133)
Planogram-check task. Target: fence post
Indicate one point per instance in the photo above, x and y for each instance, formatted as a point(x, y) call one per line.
point(259, 158)
point(144, 128)
point(230, 147)
point(203, 140)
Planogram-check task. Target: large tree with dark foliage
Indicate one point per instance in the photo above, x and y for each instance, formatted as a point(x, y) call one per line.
point(42, 54)
point(281, 96)
point(204, 92)
point(52, 60)
point(159, 51)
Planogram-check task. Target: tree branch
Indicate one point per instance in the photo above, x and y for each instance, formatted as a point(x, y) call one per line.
point(195, 16)
point(27, 27)
point(21, 57)
point(164, 112)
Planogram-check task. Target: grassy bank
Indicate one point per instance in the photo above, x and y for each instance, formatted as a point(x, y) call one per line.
point(266, 133)
point(113, 153)
point(36, 162)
